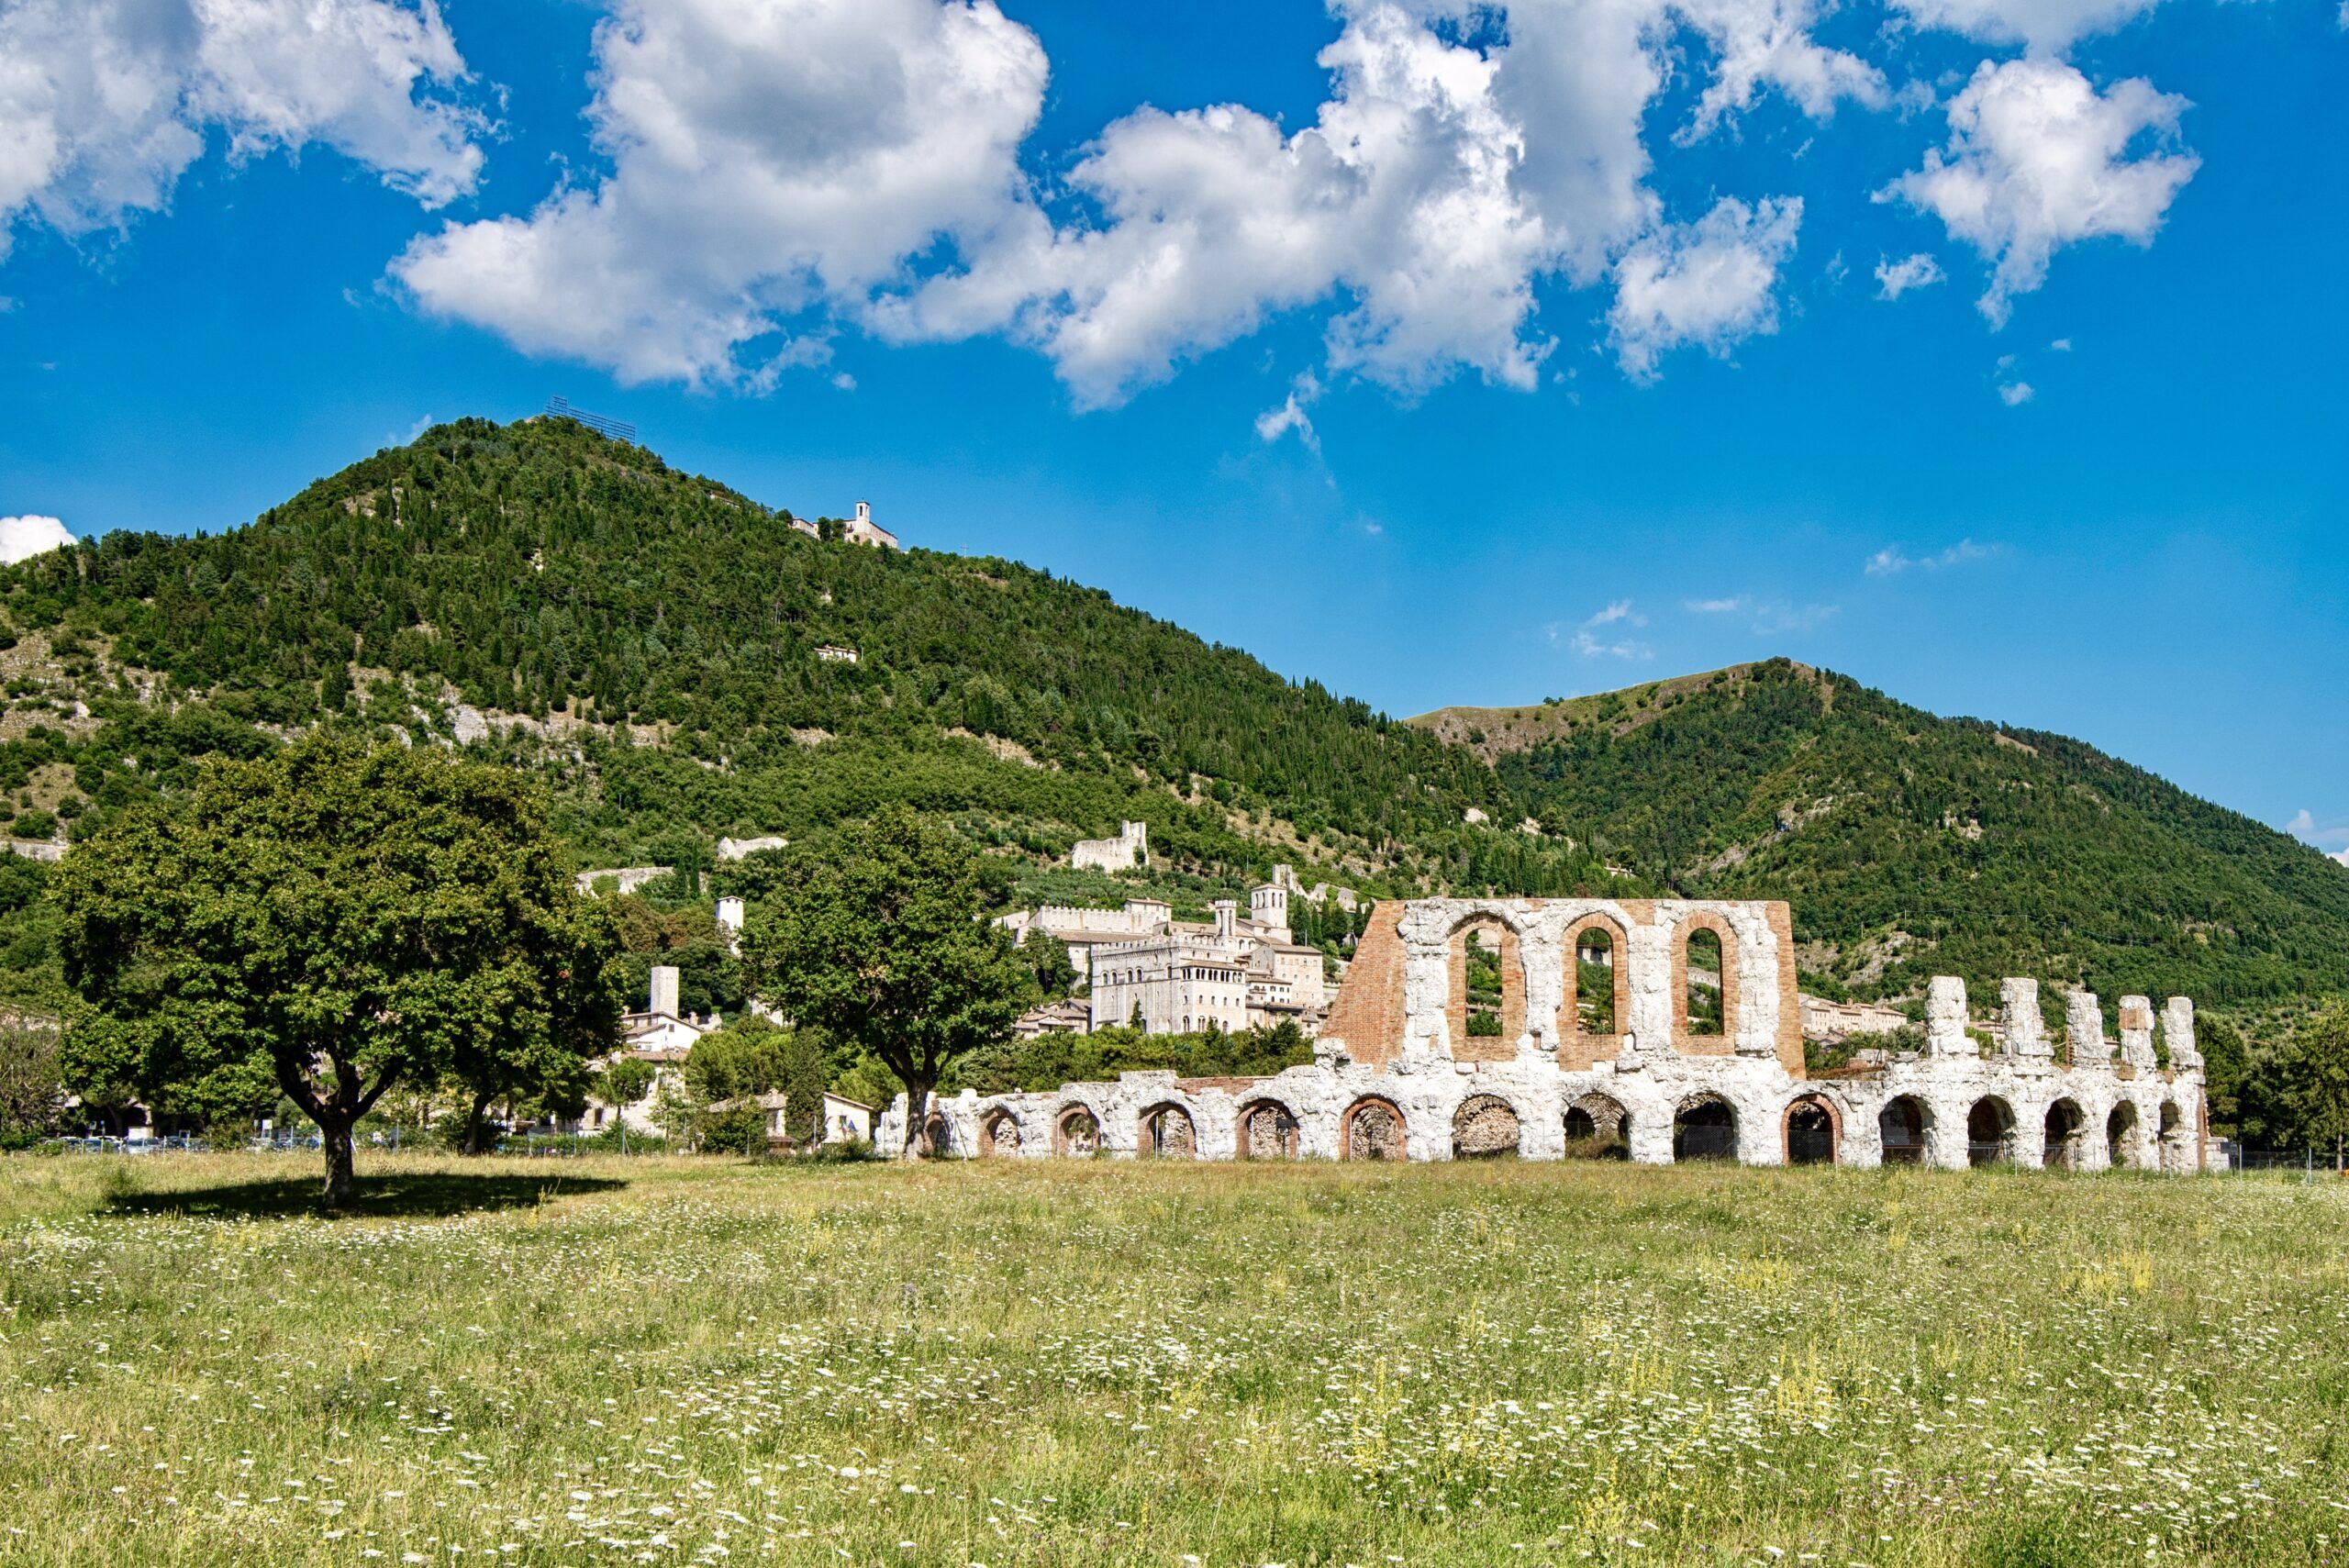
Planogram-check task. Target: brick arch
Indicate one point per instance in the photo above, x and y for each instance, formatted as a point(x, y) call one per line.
point(1151, 1138)
point(1280, 1137)
point(993, 1127)
point(1577, 1048)
point(1070, 1123)
point(1696, 1132)
point(1609, 1118)
point(1501, 1047)
point(1812, 1101)
point(1350, 1133)
point(1480, 1123)
point(1725, 1042)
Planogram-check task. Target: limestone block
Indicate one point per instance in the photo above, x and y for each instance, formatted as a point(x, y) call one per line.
point(2084, 1029)
point(1945, 1033)
point(2137, 1032)
point(2178, 1033)
point(2026, 1033)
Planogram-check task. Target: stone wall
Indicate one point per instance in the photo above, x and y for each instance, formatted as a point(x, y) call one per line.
point(1387, 1081)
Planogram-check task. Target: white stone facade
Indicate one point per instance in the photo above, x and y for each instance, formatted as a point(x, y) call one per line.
point(1130, 849)
point(1392, 1058)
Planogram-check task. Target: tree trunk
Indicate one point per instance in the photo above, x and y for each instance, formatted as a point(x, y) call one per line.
point(473, 1124)
point(917, 1120)
point(342, 1183)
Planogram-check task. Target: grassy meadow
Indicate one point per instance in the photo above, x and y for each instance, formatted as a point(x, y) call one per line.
point(699, 1362)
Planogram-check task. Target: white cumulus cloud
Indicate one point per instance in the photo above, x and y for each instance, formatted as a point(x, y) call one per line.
point(1712, 282)
point(1891, 561)
point(768, 157)
point(1894, 279)
point(2047, 26)
point(2038, 159)
point(105, 104)
point(30, 535)
point(2015, 394)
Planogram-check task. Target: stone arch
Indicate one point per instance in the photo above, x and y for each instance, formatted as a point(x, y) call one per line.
point(1989, 1132)
point(1485, 1127)
point(1167, 1132)
point(1810, 1132)
point(2121, 1136)
point(1485, 1005)
point(1905, 1126)
point(2066, 1136)
point(1076, 1130)
point(1372, 1130)
point(1268, 1130)
point(1715, 1041)
point(1595, 1024)
point(1704, 1128)
point(1598, 1124)
point(999, 1134)
point(940, 1130)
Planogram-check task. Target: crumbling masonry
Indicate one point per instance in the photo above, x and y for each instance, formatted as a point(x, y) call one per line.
point(1680, 1061)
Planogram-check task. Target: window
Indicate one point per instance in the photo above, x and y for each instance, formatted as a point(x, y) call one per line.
point(1705, 980)
point(1595, 982)
point(1482, 969)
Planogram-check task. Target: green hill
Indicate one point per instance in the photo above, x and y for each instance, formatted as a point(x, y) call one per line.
point(670, 657)
point(1911, 844)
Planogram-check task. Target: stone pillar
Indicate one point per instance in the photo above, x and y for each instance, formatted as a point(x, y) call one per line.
point(2137, 1032)
point(1945, 1145)
point(2178, 1033)
point(664, 989)
point(1945, 1033)
point(2084, 1029)
point(2026, 1034)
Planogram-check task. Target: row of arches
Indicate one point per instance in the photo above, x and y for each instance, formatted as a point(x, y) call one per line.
point(1487, 1004)
point(1704, 1126)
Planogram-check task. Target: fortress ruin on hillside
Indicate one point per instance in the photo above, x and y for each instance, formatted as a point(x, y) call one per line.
point(1667, 1028)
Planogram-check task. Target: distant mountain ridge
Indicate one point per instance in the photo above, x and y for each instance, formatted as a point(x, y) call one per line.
point(1911, 843)
point(669, 656)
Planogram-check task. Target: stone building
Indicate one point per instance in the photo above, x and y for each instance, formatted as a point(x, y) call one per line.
point(1690, 1047)
point(1129, 849)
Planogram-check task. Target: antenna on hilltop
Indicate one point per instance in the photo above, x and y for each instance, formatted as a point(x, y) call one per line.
point(616, 429)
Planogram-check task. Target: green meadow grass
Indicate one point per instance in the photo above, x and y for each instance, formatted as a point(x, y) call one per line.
point(698, 1362)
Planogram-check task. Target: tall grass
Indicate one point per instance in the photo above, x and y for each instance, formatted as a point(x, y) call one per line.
point(672, 1360)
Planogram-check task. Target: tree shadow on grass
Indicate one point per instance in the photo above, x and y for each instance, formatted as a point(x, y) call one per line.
point(425, 1195)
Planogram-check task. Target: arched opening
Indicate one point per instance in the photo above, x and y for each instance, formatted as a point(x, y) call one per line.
point(1373, 1130)
point(1706, 1008)
point(1903, 1125)
point(1598, 1127)
point(2066, 1130)
point(1000, 1135)
point(1267, 1131)
point(1989, 1132)
point(1594, 978)
point(1704, 1128)
point(2120, 1136)
point(940, 1132)
point(1480, 980)
point(1167, 1132)
point(1484, 1127)
point(1812, 1132)
point(1076, 1132)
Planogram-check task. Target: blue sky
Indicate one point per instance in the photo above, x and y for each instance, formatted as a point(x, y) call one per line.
point(1987, 350)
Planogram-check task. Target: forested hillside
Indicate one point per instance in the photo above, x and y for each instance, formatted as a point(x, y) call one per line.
point(1911, 845)
point(670, 657)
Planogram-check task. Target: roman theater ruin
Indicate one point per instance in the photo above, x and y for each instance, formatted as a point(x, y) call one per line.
point(1660, 1030)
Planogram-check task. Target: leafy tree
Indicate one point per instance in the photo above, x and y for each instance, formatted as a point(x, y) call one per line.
point(1048, 960)
point(2296, 1094)
point(744, 1058)
point(880, 943)
point(336, 919)
point(32, 1088)
point(624, 1080)
point(803, 1073)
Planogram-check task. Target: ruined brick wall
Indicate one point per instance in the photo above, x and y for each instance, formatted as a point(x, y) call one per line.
point(1367, 1012)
